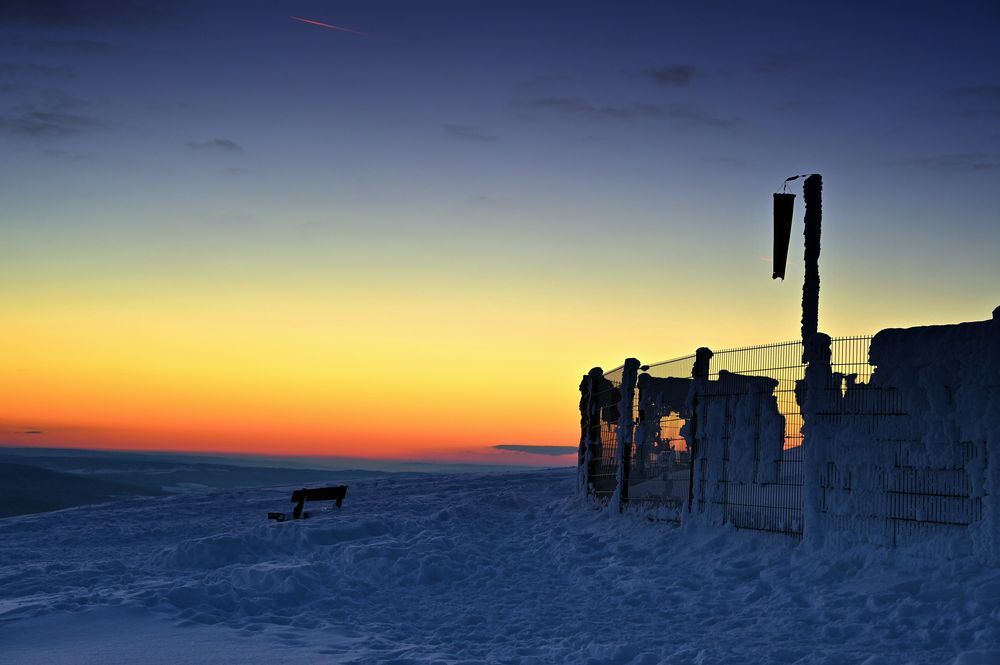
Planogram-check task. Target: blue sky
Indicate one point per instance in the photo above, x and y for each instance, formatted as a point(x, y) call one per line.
point(577, 167)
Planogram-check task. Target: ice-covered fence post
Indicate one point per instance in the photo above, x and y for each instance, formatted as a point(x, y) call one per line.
point(811, 394)
point(626, 423)
point(988, 537)
point(700, 371)
point(583, 454)
point(812, 194)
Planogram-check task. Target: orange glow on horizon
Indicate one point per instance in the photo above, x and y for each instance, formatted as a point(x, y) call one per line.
point(402, 362)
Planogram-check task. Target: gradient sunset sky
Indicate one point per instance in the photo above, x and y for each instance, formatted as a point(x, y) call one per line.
point(224, 229)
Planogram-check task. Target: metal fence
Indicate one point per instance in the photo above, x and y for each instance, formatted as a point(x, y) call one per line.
point(659, 476)
point(750, 473)
point(727, 446)
point(896, 492)
point(605, 398)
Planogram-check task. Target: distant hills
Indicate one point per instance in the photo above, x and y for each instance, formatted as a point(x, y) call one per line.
point(34, 480)
point(39, 481)
point(31, 489)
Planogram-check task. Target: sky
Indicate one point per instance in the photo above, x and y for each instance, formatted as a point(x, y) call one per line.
point(224, 229)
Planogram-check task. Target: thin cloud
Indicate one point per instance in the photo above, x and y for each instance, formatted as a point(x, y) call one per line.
point(69, 155)
point(546, 82)
point(978, 93)
point(980, 101)
point(679, 114)
point(693, 117)
point(223, 145)
point(579, 107)
point(790, 105)
point(979, 113)
point(49, 119)
point(49, 14)
point(727, 162)
point(89, 14)
point(960, 162)
point(673, 75)
point(31, 431)
point(26, 72)
point(469, 133)
point(554, 451)
point(780, 63)
point(72, 46)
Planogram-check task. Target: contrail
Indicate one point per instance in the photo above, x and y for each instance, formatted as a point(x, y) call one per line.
point(327, 25)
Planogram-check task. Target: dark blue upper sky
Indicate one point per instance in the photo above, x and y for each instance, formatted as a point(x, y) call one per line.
point(508, 136)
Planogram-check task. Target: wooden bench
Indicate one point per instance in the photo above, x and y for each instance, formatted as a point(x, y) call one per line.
point(299, 498)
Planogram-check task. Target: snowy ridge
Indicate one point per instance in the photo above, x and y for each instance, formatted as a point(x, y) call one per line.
point(460, 569)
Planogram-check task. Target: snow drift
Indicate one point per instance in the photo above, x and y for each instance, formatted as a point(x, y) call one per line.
point(466, 569)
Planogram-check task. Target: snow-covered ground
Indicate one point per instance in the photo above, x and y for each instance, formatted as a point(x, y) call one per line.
point(465, 569)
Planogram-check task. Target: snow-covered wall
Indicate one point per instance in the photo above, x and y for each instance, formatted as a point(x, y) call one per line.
point(914, 453)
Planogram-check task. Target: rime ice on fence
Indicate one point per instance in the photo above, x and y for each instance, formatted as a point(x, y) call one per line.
point(914, 452)
point(623, 449)
point(746, 434)
point(894, 445)
point(602, 432)
point(709, 465)
point(814, 432)
point(659, 475)
point(758, 430)
point(583, 454)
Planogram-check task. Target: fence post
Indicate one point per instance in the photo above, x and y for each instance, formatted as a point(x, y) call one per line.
point(987, 546)
point(811, 393)
point(583, 454)
point(812, 194)
point(700, 371)
point(626, 423)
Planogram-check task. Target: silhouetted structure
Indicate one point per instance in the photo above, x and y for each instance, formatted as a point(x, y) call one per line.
point(784, 207)
point(812, 194)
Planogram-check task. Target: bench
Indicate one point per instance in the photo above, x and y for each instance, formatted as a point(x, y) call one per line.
point(299, 498)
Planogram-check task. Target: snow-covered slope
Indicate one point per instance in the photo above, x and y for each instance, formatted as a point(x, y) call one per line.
point(30, 489)
point(465, 569)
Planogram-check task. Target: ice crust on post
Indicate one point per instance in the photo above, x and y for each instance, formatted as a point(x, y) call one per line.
point(625, 426)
